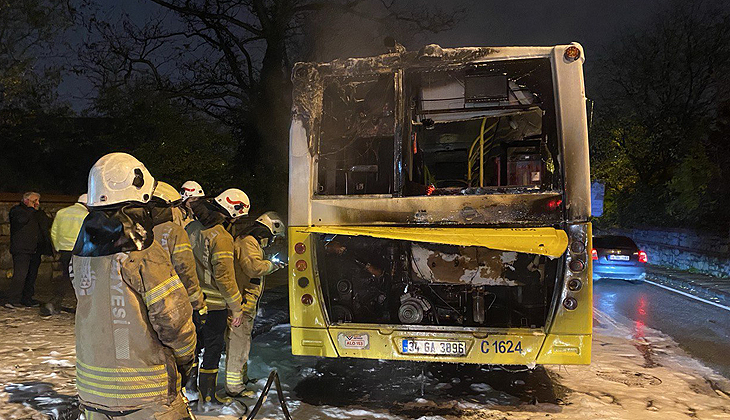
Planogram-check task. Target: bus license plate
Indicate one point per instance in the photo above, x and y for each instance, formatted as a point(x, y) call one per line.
point(435, 347)
point(618, 257)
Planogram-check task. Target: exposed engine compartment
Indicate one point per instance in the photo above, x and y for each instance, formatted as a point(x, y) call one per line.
point(384, 281)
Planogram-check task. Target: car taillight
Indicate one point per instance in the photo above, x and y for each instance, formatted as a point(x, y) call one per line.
point(594, 254)
point(642, 257)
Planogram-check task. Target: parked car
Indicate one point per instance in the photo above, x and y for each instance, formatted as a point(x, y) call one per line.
point(618, 257)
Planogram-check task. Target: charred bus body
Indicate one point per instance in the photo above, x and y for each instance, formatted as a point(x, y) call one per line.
point(439, 204)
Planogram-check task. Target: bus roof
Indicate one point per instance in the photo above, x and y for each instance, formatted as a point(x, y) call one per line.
point(431, 56)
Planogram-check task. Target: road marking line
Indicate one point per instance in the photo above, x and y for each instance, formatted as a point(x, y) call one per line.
point(689, 295)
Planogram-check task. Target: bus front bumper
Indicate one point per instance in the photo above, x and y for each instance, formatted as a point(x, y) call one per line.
point(505, 347)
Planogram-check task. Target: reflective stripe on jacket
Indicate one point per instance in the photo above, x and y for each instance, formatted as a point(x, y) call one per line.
point(213, 250)
point(250, 269)
point(175, 241)
point(66, 226)
point(133, 328)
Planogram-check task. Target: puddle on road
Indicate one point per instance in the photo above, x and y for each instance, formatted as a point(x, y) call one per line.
point(42, 397)
point(417, 389)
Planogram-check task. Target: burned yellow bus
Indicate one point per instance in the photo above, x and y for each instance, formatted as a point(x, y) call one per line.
point(439, 207)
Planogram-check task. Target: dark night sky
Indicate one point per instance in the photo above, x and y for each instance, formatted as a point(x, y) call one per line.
point(593, 23)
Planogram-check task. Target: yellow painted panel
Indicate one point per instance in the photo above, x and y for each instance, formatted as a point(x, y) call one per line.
point(386, 343)
point(311, 342)
point(301, 315)
point(566, 350)
point(579, 320)
point(543, 240)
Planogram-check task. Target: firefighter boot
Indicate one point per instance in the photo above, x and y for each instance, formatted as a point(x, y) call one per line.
point(191, 386)
point(208, 400)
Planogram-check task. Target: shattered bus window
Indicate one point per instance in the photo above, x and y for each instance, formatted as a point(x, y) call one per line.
point(356, 138)
point(481, 129)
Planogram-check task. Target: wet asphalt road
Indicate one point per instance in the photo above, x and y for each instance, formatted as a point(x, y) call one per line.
point(702, 330)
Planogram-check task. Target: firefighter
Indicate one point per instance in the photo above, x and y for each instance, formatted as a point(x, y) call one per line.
point(135, 339)
point(168, 231)
point(190, 192)
point(213, 250)
point(251, 267)
point(64, 231)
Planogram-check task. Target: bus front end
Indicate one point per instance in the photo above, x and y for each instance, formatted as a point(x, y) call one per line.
point(439, 207)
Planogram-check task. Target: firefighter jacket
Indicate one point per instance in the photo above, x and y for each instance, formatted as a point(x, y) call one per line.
point(175, 241)
point(213, 250)
point(134, 328)
point(250, 268)
point(66, 226)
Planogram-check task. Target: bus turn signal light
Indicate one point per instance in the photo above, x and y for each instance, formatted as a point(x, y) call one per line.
point(307, 299)
point(594, 254)
point(643, 257)
point(299, 248)
point(301, 265)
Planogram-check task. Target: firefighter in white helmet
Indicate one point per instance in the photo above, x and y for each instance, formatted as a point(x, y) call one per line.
point(190, 192)
point(251, 267)
point(213, 250)
point(134, 333)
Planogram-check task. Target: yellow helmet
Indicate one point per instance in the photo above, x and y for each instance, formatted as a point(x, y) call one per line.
point(166, 192)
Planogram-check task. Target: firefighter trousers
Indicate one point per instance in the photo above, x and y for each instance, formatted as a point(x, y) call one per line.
point(239, 345)
point(177, 410)
point(214, 331)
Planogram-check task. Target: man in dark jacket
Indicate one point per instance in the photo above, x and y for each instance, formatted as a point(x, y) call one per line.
point(29, 239)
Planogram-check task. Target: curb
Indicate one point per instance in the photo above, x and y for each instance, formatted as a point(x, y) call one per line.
point(695, 288)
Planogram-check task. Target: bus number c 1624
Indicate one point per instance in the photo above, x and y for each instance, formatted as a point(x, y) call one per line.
point(502, 346)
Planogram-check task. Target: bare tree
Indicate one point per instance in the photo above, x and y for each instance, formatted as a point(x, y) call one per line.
point(28, 29)
point(224, 55)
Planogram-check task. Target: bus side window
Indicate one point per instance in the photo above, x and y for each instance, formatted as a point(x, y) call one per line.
point(356, 137)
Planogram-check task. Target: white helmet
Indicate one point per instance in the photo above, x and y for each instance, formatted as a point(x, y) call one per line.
point(234, 201)
point(166, 193)
point(83, 198)
point(271, 220)
point(191, 189)
point(118, 178)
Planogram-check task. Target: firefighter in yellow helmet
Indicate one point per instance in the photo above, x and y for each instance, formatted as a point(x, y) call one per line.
point(168, 231)
point(135, 339)
point(213, 250)
point(251, 267)
point(64, 231)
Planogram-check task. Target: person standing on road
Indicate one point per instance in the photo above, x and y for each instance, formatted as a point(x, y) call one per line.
point(64, 231)
point(169, 232)
point(213, 250)
point(29, 240)
point(190, 192)
point(135, 339)
point(251, 267)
